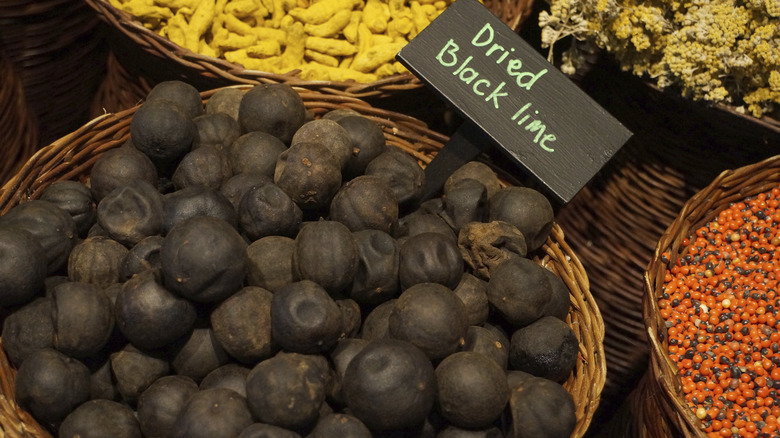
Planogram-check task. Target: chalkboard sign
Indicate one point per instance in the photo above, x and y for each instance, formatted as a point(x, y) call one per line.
point(527, 107)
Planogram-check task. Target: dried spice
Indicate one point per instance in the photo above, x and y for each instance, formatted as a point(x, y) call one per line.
point(721, 51)
point(720, 304)
point(326, 40)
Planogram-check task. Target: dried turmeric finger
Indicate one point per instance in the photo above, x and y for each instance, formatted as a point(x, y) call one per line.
point(430, 11)
point(266, 64)
point(375, 56)
point(292, 57)
point(143, 9)
point(234, 24)
point(376, 14)
point(330, 46)
point(321, 58)
point(385, 70)
point(400, 27)
point(205, 49)
point(350, 32)
point(279, 11)
point(419, 17)
point(177, 28)
point(314, 71)
point(319, 12)
point(330, 28)
point(241, 8)
point(234, 41)
point(177, 4)
point(199, 24)
point(346, 61)
point(264, 49)
point(377, 39)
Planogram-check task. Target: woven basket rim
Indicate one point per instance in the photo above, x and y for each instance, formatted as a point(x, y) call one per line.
point(729, 186)
point(72, 155)
point(218, 68)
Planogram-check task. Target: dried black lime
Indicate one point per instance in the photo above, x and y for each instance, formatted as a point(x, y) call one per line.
point(326, 253)
point(276, 109)
point(97, 260)
point(376, 278)
point(198, 354)
point(431, 317)
point(163, 132)
point(197, 200)
point(83, 319)
point(119, 167)
point(390, 384)
point(100, 419)
point(471, 390)
point(181, 93)
point(365, 203)
point(519, 290)
point(545, 348)
point(218, 130)
point(149, 315)
point(215, 412)
point(401, 172)
point(473, 293)
point(135, 370)
point(288, 390)
point(430, 258)
point(527, 209)
point(242, 325)
point(131, 212)
point(53, 228)
point(160, 404)
point(75, 198)
point(339, 425)
point(229, 376)
point(203, 259)
point(266, 210)
point(488, 343)
point(23, 271)
point(27, 329)
point(305, 319)
point(205, 166)
point(270, 262)
point(309, 174)
point(49, 385)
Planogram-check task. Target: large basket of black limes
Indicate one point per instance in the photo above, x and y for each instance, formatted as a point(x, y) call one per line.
point(257, 261)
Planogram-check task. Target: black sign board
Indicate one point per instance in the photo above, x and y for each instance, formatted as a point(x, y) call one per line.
point(527, 107)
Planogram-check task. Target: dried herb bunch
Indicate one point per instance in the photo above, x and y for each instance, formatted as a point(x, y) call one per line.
point(722, 51)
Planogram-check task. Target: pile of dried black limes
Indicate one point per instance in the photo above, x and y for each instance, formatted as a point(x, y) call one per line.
point(241, 269)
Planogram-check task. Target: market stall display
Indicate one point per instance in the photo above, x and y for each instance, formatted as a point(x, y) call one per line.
point(73, 158)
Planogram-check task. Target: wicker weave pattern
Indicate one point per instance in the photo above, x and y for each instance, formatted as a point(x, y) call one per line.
point(663, 386)
point(18, 138)
point(72, 156)
point(59, 52)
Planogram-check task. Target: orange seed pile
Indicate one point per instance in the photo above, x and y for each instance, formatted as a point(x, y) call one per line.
point(720, 305)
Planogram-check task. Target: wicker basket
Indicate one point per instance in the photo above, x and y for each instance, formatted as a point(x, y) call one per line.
point(19, 139)
point(152, 56)
point(678, 147)
point(58, 49)
point(670, 415)
point(72, 156)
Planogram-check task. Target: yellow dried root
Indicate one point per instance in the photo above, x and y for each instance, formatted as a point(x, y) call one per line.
point(354, 40)
point(331, 27)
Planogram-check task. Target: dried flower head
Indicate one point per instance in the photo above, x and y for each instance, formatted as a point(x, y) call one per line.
point(723, 51)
